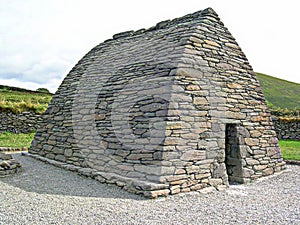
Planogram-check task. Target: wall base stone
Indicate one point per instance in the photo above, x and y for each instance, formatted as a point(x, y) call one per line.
point(146, 188)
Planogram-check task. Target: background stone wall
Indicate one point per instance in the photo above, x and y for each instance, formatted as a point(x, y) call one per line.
point(28, 121)
point(24, 122)
point(287, 129)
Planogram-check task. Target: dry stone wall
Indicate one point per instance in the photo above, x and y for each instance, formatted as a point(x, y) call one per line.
point(287, 129)
point(24, 122)
point(171, 109)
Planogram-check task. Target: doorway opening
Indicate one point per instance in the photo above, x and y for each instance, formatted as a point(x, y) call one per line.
point(233, 160)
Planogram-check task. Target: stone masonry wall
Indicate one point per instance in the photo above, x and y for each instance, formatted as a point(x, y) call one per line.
point(24, 122)
point(286, 129)
point(220, 84)
point(171, 109)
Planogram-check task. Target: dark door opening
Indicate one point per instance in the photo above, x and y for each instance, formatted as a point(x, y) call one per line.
point(232, 155)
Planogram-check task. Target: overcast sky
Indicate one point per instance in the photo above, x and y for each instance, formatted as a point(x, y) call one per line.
point(41, 40)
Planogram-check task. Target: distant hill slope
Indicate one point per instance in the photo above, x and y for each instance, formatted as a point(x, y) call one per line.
point(280, 93)
point(10, 88)
point(19, 100)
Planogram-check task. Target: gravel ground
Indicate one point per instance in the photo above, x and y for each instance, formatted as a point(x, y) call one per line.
point(44, 194)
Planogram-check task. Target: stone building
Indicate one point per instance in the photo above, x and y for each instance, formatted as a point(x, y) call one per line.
point(173, 108)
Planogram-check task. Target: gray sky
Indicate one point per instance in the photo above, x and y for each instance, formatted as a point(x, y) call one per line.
point(41, 40)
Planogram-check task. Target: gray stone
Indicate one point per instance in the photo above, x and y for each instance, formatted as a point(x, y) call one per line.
point(5, 156)
point(8, 165)
point(193, 155)
point(60, 158)
point(68, 152)
point(5, 164)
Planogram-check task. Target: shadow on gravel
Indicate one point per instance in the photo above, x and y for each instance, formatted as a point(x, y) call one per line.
point(43, 178)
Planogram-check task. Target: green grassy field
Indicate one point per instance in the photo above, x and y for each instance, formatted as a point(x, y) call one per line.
point(8, 139)
point(280, 93)
point(289, 149)
point(21, 100)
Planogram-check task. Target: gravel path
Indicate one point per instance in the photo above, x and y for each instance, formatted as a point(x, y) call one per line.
point(44, 194)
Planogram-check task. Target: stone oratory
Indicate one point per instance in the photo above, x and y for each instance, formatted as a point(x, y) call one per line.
point(169, 109)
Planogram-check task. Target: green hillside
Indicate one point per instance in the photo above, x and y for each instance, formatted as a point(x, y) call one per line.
point(280, 93)
point(19, 100)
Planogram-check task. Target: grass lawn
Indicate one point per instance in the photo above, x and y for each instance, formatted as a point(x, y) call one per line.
point(8, 139)
point(289, 149)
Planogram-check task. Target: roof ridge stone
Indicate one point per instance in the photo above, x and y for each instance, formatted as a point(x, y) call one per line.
point(167, 23)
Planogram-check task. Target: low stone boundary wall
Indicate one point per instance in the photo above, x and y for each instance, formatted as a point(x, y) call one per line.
point(24, 122)
point(27, 122)
point(287, 129)
point(11, 149)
